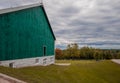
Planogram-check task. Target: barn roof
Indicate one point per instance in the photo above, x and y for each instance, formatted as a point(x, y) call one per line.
point(15, 5)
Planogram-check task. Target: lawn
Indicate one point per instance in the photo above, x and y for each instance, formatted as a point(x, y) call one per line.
point(80, 71)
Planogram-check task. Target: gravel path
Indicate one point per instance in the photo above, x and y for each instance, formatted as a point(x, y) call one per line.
point(4, 81)
point(7, 79)
point(116, 61)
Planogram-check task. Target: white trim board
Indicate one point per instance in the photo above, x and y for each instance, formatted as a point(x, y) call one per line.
point(2, 11)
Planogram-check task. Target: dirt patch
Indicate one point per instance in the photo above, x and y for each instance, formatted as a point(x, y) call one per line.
point(63, 64)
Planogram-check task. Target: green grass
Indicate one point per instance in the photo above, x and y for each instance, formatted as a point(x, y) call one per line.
point(82, 71)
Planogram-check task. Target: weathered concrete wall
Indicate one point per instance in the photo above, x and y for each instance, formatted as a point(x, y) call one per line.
point(46, 60)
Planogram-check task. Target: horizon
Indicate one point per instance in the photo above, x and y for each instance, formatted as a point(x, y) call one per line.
point(64, 47)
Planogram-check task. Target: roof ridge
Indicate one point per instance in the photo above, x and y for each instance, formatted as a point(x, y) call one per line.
point(14, 5)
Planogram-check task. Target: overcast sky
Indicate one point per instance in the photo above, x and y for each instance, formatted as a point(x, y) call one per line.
point(94, 23)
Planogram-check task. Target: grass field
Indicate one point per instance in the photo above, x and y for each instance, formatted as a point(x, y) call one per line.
point(82, 71)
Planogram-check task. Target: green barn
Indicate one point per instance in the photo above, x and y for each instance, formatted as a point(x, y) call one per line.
point(26, 36)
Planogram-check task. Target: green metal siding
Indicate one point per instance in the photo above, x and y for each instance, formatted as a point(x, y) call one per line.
point(24, 33)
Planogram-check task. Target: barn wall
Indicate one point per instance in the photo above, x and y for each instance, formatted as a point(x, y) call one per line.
point(24, 33)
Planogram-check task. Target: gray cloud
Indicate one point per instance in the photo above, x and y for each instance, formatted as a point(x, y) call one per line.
point(88, 22)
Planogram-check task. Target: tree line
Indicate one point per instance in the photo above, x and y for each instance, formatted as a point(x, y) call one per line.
point(73, 51)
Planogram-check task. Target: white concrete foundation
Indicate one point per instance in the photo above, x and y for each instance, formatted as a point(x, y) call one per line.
point(43, 61)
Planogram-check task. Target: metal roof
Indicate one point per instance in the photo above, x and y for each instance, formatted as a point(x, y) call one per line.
point(14, 5)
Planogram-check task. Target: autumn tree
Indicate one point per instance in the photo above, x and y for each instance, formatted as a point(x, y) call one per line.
point(73, 51)
point(58, 53)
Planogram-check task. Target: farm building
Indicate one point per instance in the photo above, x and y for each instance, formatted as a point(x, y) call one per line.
point(26, 36)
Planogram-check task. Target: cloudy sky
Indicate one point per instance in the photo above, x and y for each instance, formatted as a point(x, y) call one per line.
point(94, 23)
